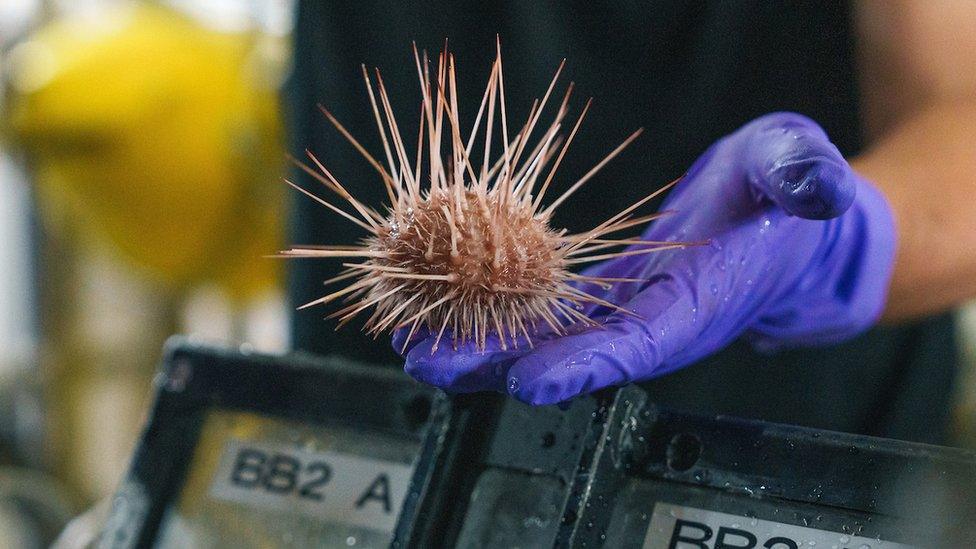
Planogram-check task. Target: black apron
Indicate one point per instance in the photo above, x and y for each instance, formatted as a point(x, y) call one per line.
point(688, 72)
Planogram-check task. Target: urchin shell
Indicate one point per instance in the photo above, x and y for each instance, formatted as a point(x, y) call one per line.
point(471, 253)
point(477, 257)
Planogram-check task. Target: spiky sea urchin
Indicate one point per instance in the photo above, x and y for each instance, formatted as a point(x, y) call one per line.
point(473, 250)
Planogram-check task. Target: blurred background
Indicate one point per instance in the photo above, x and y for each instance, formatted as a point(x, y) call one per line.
point(141, 153)
point(140, 189)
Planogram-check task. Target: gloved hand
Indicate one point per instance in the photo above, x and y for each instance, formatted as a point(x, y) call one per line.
point(801, 252)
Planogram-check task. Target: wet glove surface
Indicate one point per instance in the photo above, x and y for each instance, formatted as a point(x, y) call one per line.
point(800, 253)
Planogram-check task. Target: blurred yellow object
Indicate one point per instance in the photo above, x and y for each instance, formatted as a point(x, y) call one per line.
point(162, 136)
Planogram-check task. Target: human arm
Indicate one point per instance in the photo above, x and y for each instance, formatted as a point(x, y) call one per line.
point(918, 81)
point(780, 290)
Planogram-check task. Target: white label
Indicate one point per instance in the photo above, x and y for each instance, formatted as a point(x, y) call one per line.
point(342, 488)
point(677, 527)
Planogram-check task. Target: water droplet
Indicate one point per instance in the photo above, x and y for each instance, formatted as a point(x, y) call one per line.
point(513, 384)
point(714, 289)
point(350, 541)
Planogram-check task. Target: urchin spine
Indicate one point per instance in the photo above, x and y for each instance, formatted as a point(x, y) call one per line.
point(471, 252)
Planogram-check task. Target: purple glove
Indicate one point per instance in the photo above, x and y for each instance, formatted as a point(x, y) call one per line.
point(786, 266)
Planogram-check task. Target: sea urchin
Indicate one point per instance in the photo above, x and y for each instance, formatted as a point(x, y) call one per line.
point(471, 250)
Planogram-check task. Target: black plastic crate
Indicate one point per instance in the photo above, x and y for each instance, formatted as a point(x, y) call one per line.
point(293, 450)
point(305, 451)
point(671, 480)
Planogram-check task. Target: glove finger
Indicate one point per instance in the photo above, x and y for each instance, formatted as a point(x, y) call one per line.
point(461, 370)
point(790, 159)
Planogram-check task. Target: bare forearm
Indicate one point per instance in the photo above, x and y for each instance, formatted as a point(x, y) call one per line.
point(926, 167)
